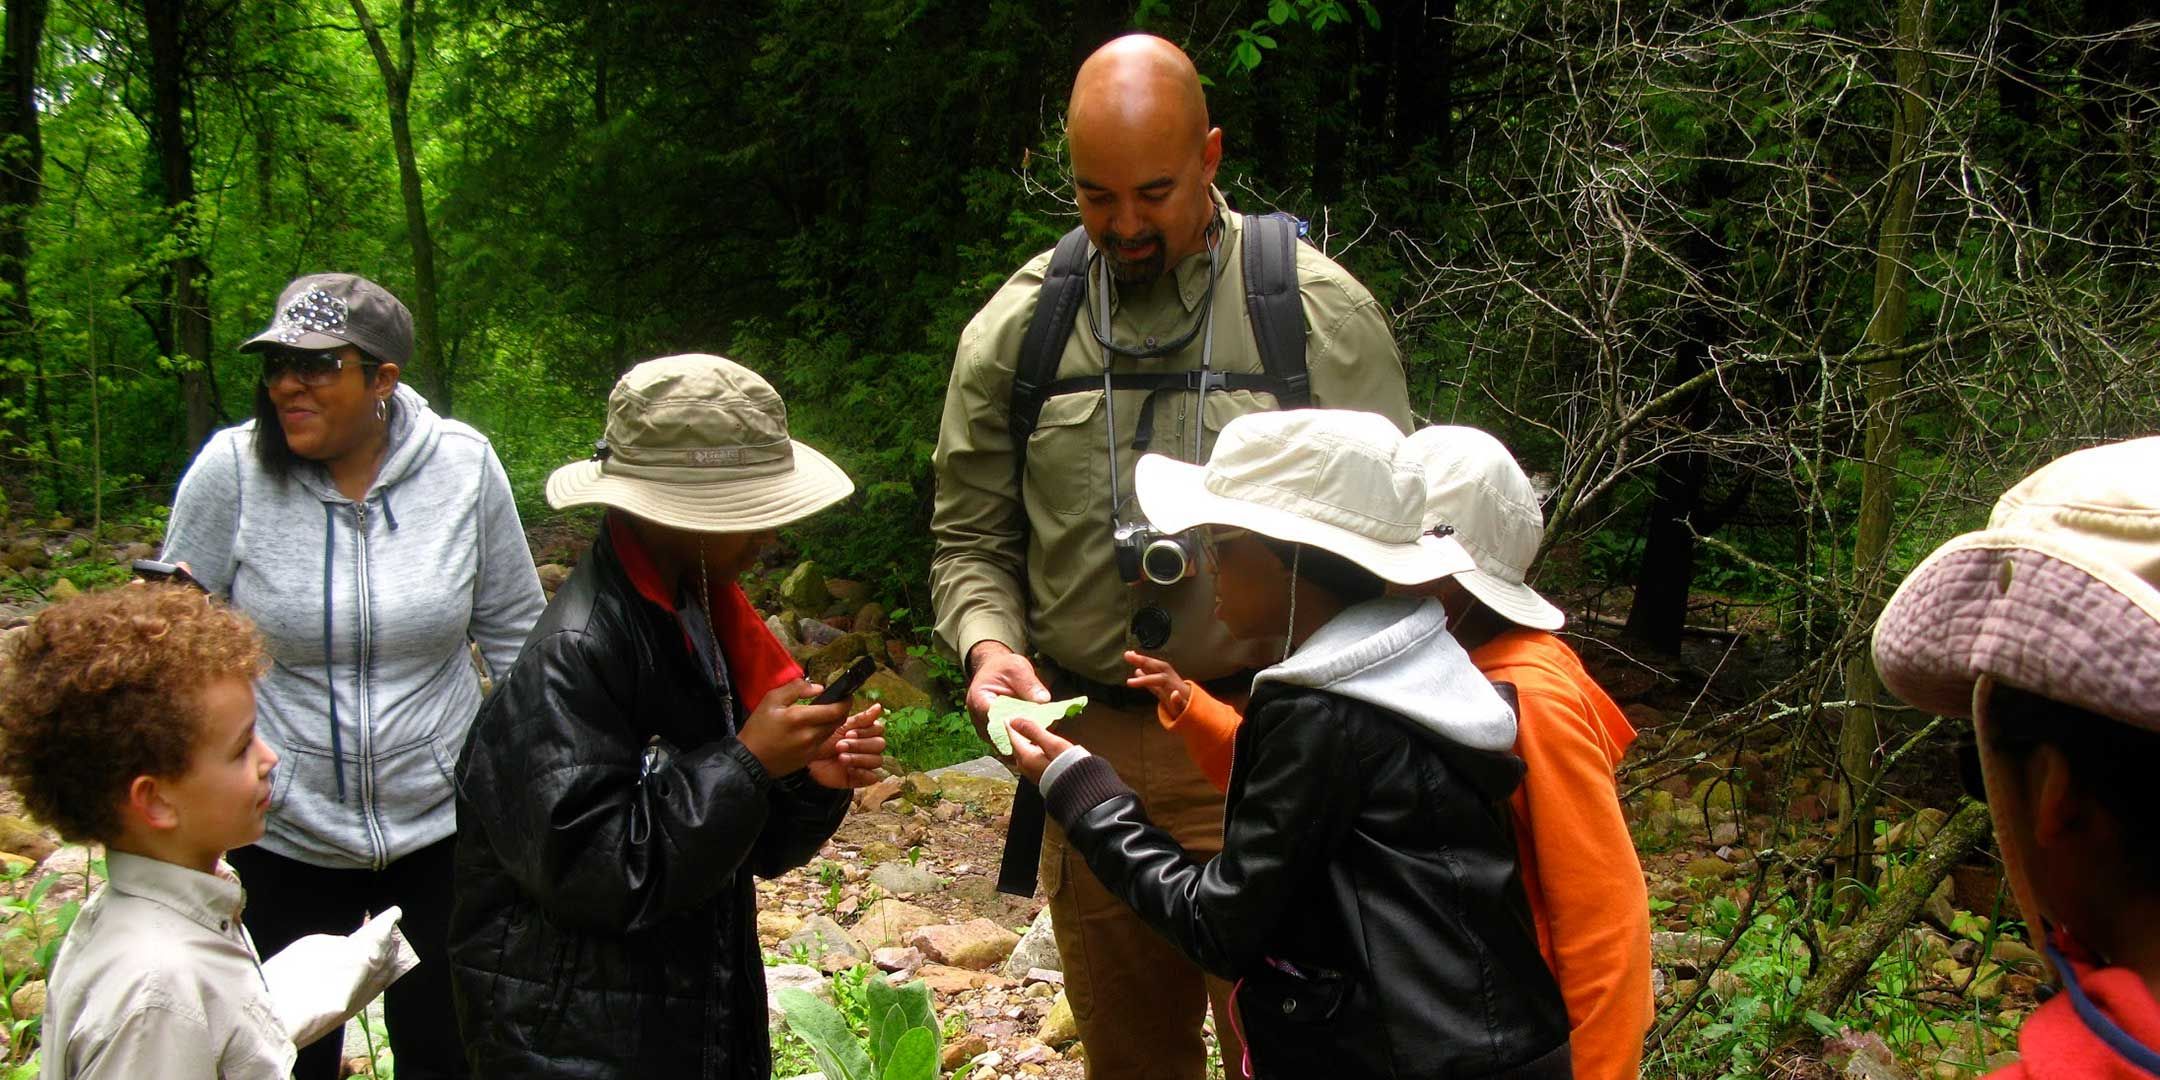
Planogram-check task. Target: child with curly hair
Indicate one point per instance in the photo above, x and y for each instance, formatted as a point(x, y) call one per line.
point(127, 718)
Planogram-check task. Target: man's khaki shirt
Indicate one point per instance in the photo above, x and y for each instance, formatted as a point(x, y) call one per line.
point(1029, 562)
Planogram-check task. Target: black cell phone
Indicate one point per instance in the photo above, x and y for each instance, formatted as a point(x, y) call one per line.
point(851, 680)
point(153, 570)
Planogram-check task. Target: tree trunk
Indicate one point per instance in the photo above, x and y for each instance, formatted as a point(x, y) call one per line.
point(22, 166)
point(1658, 616)
point(433, 377)
point(1894, 908)
point(1861, 737)
point(187, 300)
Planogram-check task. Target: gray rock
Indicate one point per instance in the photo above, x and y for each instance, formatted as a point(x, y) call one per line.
point(900, 879)
point(821, 936)
point(780, 628)
point(894, 692)
point(901, 960)
point(1685, 953)
point(982, 768)
point(1037, 949)
point(870, 618)
point(792, 977)
point(815, 634)
point(916, 671)
point(804, 588)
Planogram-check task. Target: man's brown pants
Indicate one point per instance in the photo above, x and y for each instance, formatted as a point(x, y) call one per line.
point(1138, 1000)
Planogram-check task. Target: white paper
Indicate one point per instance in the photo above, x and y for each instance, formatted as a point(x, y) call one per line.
point(320, 981)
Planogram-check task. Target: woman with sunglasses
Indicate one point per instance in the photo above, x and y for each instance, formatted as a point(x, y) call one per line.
point(374, 543)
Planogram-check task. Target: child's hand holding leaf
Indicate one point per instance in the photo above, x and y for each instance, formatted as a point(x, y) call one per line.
point(1034, 748)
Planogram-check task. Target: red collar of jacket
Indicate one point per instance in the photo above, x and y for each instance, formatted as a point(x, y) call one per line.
point(2057, 1044)
point(757, 663)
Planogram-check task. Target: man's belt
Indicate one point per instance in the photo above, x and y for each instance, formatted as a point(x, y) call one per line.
point(1018, 868)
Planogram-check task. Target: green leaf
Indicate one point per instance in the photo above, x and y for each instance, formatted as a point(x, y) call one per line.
point(1278, 12)
point(1005, 710)
point(831, 1040)
point(1823, 1025)
point(913, 1058)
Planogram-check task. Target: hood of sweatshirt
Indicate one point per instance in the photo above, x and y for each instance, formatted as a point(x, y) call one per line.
point(1395, 653)
point(414, 432)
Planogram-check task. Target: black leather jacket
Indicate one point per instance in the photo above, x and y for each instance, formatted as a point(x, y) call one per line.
point(1366, 897)
point(609, 822)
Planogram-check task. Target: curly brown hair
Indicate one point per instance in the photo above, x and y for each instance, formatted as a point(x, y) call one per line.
point(105, 687)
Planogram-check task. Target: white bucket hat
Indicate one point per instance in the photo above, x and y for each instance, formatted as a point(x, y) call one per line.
point(700, 442)
point(1334, 479)
point(2058, 596)
point(1474, 485)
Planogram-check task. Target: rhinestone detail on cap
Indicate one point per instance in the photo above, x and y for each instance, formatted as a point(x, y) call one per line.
point(315, 311)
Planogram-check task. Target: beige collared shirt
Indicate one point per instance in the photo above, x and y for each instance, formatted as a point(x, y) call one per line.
point(157, 978)
point(1030, 563)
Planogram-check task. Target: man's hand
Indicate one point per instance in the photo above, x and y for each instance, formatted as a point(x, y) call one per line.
point(999, 671)
point(1034, 748)
point(785, 736)
point(852, 753)
point(1157, 677)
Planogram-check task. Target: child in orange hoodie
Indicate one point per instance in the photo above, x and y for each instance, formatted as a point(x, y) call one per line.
point(1578, 862)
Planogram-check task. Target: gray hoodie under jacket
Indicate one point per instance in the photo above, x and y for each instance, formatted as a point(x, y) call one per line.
point(367, 609)
point(1395, 653)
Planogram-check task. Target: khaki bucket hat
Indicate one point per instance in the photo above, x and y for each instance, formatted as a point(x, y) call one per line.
point(1330, 478)
point(2058, 596)
point(700, 442)
point(1474, 486)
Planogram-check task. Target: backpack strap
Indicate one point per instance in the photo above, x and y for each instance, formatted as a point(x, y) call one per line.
point(1271, 300)
point(1056, 307)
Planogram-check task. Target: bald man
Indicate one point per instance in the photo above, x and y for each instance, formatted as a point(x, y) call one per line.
point(1025, 578)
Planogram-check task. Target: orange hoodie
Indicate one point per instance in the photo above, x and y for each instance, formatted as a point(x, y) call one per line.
point(1579, 868)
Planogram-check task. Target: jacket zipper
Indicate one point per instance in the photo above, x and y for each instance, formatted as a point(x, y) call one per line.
point(368, 815)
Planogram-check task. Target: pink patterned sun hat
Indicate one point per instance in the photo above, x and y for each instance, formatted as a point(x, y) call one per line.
point(2058, 596)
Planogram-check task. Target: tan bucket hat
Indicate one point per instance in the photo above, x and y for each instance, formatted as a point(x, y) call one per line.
point(1473, 485)
point(1331, 478)
point(2058, 596)
point(700, 442)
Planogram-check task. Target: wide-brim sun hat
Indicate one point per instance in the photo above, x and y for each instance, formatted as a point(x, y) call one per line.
point(700, 442)
point(1330, 478)
point(1475, 487)
point(2059, 595)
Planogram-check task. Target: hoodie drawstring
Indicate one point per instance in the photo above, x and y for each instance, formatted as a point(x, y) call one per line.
point(387, 515)
point(329, 561)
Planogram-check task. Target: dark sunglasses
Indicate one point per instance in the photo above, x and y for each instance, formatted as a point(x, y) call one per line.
point(313, 367)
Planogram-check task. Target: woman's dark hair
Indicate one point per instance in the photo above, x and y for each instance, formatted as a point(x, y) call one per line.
point(1351, 583)
point(272, 452)
point(2111, 762)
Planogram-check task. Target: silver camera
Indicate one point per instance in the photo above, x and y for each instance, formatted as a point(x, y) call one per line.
point(1160, 557)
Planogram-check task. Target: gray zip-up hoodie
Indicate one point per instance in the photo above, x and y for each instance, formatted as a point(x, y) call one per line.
point(367, 608)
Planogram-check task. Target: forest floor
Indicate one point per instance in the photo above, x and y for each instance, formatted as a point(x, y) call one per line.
point(1723, 809)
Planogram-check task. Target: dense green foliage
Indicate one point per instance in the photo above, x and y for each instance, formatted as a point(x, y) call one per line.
point(1645, 242)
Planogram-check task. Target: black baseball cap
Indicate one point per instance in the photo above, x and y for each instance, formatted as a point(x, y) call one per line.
point(325, 311)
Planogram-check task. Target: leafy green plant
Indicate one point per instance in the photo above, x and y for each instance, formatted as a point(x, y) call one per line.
point(902, 1037)
point(924, 740)
point(24, 917)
